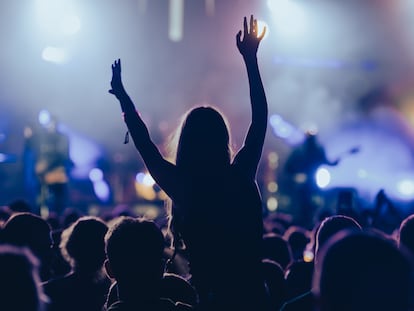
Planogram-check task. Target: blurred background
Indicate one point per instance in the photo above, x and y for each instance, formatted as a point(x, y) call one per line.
point(341, 69)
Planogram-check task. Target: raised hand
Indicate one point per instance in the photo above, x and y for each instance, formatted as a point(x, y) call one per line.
point(117, 87)
point(251, 39)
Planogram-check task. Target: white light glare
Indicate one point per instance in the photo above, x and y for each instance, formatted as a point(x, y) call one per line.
point(176, 20)
point(290, 17)
point(54, 55)
point(261, 25)
point(145, 179)
point(406, 187)
point(272, 204)
point(101, 189)
point(323, 178)
point(280, 127)
point(96, 175)
point(44, 117)
point(70, 25)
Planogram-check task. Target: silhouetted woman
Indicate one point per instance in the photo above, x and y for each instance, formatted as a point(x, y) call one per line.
point(216, 204)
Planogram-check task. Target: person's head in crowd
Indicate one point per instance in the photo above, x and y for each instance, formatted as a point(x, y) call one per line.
point(362, 271)
point(5, 213)
point(298, 278)
point(20, 282)
point(277, 249)
point(203, 138)
point(29, 230)
point(134, 249)
point(178, 289)
point(332, 225)
point(83, 244)
point(406, 234)
point(275, 283)
point(20, 206)
point(70, 215)
point(54, 221)
point(297, 238)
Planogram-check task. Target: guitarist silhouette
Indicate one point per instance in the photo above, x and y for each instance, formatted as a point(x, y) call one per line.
point(302, 165)
point(50, 161)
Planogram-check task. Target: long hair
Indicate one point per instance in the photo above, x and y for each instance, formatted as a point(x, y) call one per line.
point(201, 143)
point(204, 140)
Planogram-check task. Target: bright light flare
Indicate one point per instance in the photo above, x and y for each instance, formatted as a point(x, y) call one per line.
point(323, 177)
point(260, 26)
point(70, 25)
point(96, 175)
point(54, 55)
point(101, 190)
point(145, 179)
point(406, 187)
point(44, 117)
point(57, 17)
point(176, 20)
point(272, 204)
point(290, 17)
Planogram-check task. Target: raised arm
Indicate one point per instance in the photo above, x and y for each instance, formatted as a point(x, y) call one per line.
point(161, 170)
point(249, 156)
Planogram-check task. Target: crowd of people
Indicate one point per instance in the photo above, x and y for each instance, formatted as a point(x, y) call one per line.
point(215, 253)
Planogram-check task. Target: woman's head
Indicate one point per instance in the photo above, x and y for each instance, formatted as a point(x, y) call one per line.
point(204, 139)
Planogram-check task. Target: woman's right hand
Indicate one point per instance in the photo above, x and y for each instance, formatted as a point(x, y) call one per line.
point(251, 39)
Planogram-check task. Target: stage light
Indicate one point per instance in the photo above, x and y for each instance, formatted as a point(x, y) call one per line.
point(272, 187)
point(176, 20)
point(323, 177)
point(260, 26)
point(406, 187)
point(101, 190)
point(272, 204)
point(283, 129)
point(145, 179)
point(290, 18)
point(44, 117)
point(95, 175)
point(280, 127)
point(54, 55)
point(57, 18)
point(140, 178)
point(70, 25)
point(148, 180)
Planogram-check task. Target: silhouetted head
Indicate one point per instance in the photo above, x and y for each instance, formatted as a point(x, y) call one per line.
point(277, 249)
point(83, 244)
point(204, 140)
point(275, 283)
point(298, 239)
point(20, 206)
point(299, 278)
point(332, 225)
point(361, 271)
point(178, 289)
point(29, 230)
point(134, 249)
point(406, 234)
point(19, 287)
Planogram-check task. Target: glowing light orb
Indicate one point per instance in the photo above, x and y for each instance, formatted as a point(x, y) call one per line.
point(54, 55)
point(95, 175)
point(272, 204)
point(323, 178)
point(101, 189)
point(290, 17)
point(70, 25)
point(44, 117)
point(406, 187)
